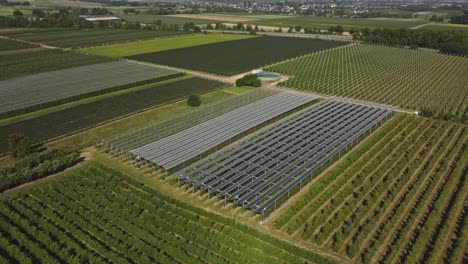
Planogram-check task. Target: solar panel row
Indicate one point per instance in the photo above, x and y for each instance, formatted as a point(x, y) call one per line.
point(155, 131)
point(176, 149)
point(259, 171)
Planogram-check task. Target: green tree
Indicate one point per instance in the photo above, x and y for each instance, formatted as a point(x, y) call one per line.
point(17, 13)
point(194, 100)
point(19, 145)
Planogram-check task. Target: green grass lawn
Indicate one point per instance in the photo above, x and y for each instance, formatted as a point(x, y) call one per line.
point(239, 90)
point(133, 48)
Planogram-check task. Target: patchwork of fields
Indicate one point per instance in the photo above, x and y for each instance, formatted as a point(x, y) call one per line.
point(399, 197)
point(232, 57)
point(433, 83)
point(99, 215)
point(133, 48)
point(76, 118)
point(90, 37)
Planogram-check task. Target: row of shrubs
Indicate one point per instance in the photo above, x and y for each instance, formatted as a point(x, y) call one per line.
point(37, 165)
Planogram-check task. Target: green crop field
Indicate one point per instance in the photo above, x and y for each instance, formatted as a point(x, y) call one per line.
point(447, 27)
point(98, 215)
point(91, 37)
point(400, 197)
point(347, 23)
point(228, 58)
point(8, 45)
point(143, 18)
point(82, 116)
point(133, 48)
point(21, 64)
point(424, 81)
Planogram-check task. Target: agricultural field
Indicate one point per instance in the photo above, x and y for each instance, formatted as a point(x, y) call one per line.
point(39, 91)
point(58, 221)
point(262, 171)
point(449, 27)
point(9, 45)
point(86, 115)
point(21, 64)
point(347, 23)
point(133, 48)
point(144, 18)
point(91, 37)
point(433, 83)
point(399, 197)
point(232, 57)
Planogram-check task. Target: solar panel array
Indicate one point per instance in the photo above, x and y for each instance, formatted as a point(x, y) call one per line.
point(263, 169)
point(36, 89)
point(152, 132)
point(184, 146)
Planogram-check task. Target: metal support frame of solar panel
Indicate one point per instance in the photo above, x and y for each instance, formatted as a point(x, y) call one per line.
point(203, 167)
point(35, 89)
point(278, 129)
point(244, 146)
point(181, 147)
point(307, 127)
point(141, 136)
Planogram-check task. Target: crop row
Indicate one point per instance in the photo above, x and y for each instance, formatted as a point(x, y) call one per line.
point(232, 57)
point(76, 118)
point(391, 199)
point(99, 215)
point(90, 37)
point(21, 64)
point(433, 83)
point(8, 45)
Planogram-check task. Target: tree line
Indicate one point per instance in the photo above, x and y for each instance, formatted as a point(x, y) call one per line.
point(449, 42)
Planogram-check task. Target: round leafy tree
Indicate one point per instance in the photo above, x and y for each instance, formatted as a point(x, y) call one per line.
point(194, 100)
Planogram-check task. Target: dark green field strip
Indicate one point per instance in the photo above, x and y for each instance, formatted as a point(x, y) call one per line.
point(15, 65)
point(99, 215)
point(91, 37)
point(232, 57)
point(347, 23)
point(7, 44)
point(86, 115)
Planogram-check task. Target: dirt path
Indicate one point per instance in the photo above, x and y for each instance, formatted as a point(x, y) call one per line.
point(420, 26)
